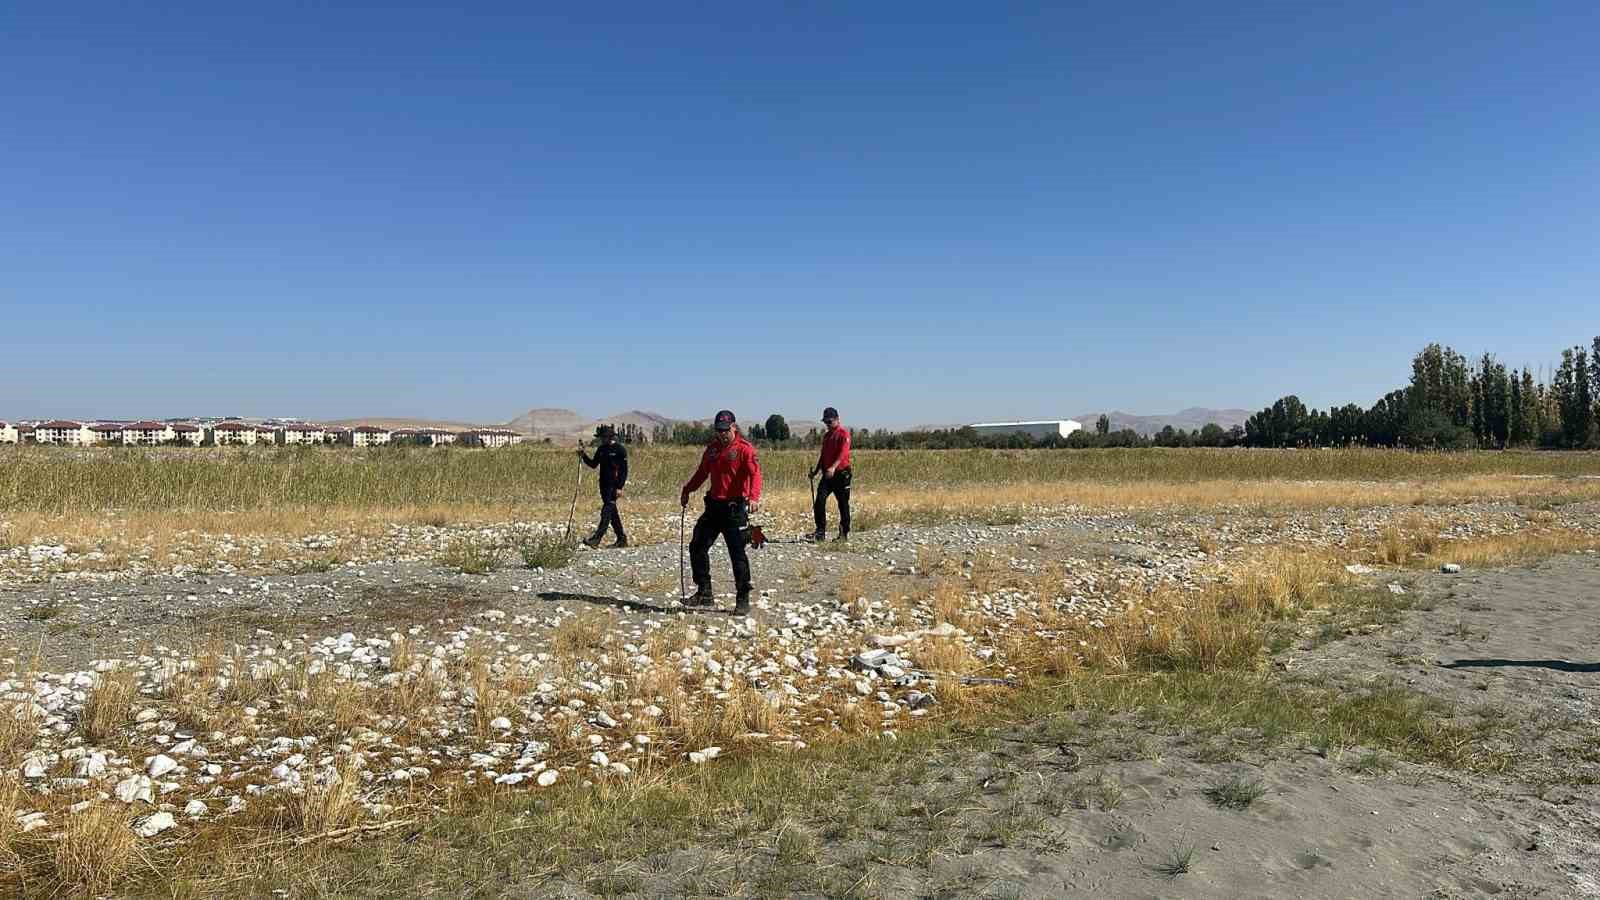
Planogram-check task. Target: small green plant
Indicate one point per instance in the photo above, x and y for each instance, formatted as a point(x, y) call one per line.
point(545, 551)
point(1238, 792)
point(42, 612)
point(1179, 859)
point(473, 557)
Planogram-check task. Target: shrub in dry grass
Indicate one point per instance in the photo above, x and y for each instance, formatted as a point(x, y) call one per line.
point(579, 634)
point(96, 849)
point(1524, 547)
point(1284, 584)
point(473, 557)
point(947, 601)
point(545, 551)
point(852, 585)
point(332, 802)
point(10, 795)
point(109, 705)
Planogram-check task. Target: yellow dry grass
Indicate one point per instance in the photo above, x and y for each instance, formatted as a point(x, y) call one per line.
point(163, 538)
point(109, 705)
point(95, 851)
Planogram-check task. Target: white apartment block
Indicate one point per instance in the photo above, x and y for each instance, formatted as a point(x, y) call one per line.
point(106, 433)
point(147, 434)
point(490, 438)
point(435, 437)
point(187, 433)
point(8, 433)
point(369, 436)
point(302, 433)
point(234, 434)
point(62, 431)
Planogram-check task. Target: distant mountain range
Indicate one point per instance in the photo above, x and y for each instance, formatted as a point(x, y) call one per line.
point(565, 424)
point(1190, 419)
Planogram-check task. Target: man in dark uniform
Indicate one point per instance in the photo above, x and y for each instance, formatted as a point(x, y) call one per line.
point(729, 463)
point(611, 458)
point(834, 464)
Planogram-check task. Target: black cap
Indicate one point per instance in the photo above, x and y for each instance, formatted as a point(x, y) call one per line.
point(830, 413)
point(725, 420)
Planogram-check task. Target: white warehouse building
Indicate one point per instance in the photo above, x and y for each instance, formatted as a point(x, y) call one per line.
point(1039, 431)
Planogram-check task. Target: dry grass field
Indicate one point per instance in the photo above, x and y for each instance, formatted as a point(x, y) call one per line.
point(357, 674)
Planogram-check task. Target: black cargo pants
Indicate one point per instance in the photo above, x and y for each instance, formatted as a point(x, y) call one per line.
point(838, 486)
point(609, 517)
point(727, 518)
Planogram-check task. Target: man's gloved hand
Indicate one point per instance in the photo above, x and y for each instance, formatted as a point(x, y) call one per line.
point(813, 472)
point(683, 498)
point(755, 506)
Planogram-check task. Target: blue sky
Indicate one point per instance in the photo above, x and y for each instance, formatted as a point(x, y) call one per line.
point(915, 212)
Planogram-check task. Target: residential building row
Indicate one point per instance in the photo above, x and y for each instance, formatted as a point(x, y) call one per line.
point(233, 433)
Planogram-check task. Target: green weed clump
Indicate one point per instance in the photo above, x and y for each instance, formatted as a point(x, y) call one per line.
point(545, 551)
point(474, 557)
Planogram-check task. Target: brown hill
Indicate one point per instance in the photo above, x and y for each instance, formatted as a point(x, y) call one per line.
point(549, 422)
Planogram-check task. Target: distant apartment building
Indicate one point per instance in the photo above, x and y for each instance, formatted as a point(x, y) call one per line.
point(435, 437)
point(147, 434)
point(188, 433)
point(234, 434)
point(106, 433)
point(8, 433)
point(64, 432)
point(27, 434)
point(369, 436)
point(489, 438)
point(301, 433)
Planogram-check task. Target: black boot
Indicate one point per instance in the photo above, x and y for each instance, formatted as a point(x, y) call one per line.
point(593, 543)
point(742, 606)
point(702, 596)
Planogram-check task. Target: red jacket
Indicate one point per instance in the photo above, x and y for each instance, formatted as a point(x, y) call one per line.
point(734, 471)
point(835, 449)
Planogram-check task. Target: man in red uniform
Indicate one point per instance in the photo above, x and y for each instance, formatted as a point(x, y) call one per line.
point(834, 464)
point(730, 463)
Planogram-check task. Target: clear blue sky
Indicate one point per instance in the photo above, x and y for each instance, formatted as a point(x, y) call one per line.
point(916, 212)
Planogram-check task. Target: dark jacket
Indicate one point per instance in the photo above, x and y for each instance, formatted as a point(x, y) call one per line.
point(612, 461)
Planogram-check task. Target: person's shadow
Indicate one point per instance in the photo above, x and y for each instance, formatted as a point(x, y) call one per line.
point(630, 605)
point(1559, 665)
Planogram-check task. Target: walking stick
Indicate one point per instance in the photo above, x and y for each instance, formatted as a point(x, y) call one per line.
point(566, 536)
point(683, 586)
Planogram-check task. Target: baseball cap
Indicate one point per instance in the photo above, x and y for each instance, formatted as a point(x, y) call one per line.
point(725, 420)
point(830, 413)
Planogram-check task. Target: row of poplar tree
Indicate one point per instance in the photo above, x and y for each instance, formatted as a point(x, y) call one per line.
point(1452, 403)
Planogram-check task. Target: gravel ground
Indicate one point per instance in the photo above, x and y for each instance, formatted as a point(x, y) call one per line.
point(67, 630)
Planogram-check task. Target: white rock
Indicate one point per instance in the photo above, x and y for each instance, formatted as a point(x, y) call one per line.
point(548, 777)
point(134, 787)
point(512, 778)
point(161, 764)
point(1450, 568)
point(500, 723)
point(1396, 588)
point(155, 824)
point(195, 809)
point(1359, 569)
